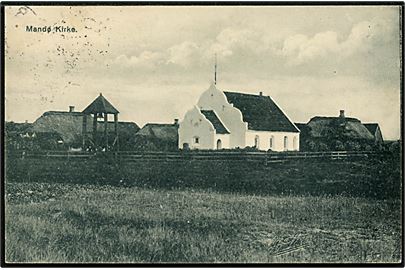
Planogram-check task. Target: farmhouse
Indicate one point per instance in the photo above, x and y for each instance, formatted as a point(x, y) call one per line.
point(338, 133)
point(154, 136)
point(69, 124)
point(375, 130)
point(226, 120)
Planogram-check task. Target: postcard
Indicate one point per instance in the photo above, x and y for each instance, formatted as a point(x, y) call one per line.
point(208, 133)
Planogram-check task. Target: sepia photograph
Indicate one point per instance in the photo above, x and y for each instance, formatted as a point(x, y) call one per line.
point(208, 133)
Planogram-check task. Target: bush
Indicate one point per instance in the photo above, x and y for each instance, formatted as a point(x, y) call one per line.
point(339, 146)
point(323, 147)
point(352, 146)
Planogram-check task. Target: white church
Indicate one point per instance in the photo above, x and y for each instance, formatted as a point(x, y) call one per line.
point(226, 120)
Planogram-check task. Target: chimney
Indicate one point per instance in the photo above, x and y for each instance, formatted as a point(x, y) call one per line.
point(176, 121)
point(26, 121)
point(342, 114)
point(260, 93)
point(71, 108)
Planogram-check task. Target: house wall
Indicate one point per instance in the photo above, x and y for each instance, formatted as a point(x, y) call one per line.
point(231, 117)
point(194, 125)
point(225, 140)
point(378, 136)
point(278, 140)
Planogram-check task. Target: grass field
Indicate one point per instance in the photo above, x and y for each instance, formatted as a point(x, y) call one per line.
point(82, 223)
point(378, 177)
point(353, 214)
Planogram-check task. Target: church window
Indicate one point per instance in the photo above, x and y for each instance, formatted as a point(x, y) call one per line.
point(257, 141)
point(271, 142)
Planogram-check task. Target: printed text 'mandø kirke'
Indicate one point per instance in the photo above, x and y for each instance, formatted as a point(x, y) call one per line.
point(49, 29)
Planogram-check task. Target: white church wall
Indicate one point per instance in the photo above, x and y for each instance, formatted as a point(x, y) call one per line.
point(225, 141)
point(231, 117)
point(277, 140)
point(196, 131)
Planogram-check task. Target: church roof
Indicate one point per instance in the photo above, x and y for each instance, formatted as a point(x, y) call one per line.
point(213, 118)
point(100, 105)
point(260, 112)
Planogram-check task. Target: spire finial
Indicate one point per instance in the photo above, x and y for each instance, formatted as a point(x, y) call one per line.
point(101, 94)
point(215, 70)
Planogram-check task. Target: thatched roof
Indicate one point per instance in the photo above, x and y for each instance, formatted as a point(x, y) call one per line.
point(159, 131)
point(123, 127)
point(100, 105)
point(69, 125)
point(47, 136)
point(336, 127)
point(261, 112)
point(16, 128)
point(213, 118)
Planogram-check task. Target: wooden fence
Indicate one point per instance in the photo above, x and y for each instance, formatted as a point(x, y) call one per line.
point(130, 156)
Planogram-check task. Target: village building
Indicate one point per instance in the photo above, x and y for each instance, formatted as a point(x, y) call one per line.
point(157, 136)
point(375, 130)
point(69, 125)
point(323, 133)
point(228, 120)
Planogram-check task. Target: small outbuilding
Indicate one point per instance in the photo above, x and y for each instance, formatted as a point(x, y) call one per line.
point(157, 137)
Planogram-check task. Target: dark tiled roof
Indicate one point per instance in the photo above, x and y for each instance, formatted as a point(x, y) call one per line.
point(301, 126)
point(260, 112)
point(100, 105)
point(212, 117)
point(372, 127)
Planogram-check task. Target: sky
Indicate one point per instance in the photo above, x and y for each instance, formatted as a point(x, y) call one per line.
point(153, 62)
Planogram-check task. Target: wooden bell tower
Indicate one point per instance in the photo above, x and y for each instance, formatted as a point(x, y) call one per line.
point(100, 108)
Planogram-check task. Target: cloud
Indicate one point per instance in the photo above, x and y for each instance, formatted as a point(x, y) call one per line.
point(146, 59)
point(232, 44)
point(299, 49)
point(184, 54)
point(231, 41)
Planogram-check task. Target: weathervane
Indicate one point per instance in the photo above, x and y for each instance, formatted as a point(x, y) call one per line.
point(215, 70)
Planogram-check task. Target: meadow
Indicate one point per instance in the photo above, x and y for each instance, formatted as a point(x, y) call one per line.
point(128, 221)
